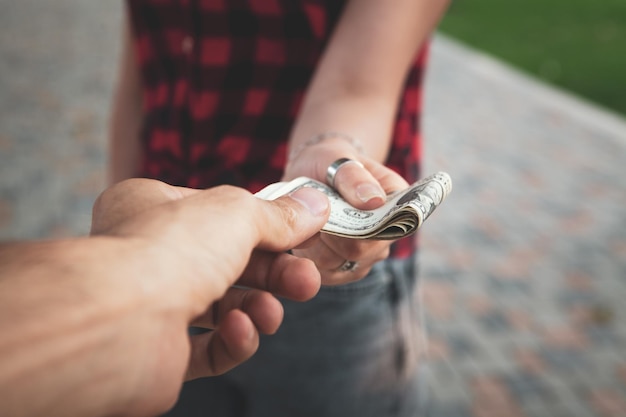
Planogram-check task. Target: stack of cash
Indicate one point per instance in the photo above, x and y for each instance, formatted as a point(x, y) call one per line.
point(404, 212)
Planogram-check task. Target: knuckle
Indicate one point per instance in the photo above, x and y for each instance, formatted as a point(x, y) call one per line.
point(235, 198)
point(230, 191)
point(99, 204)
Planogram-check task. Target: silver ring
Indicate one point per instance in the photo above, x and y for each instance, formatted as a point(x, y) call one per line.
point(348, 266)
point(332, 170)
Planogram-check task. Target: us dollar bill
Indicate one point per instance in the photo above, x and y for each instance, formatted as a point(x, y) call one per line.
point(402, 214)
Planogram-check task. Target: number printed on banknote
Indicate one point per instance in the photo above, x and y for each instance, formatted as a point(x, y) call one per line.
point(403, 213)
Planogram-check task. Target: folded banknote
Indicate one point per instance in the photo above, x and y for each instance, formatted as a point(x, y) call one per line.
point(403, 213)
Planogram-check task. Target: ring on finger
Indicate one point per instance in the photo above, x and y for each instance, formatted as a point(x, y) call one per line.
point(331, 171)
point(348, 266)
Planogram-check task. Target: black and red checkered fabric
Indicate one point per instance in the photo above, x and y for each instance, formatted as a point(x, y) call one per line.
point(223, 81)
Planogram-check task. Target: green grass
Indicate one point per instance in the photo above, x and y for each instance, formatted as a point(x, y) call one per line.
point(579, 45)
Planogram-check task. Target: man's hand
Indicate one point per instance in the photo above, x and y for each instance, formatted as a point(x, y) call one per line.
point(215, 232)
point(98, 326)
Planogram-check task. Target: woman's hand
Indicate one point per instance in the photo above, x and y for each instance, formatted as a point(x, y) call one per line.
point(364, 185)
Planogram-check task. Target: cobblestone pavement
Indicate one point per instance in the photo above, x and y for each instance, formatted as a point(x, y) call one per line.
point(524, 266)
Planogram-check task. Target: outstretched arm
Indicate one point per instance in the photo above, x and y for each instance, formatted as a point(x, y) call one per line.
point(98, 326)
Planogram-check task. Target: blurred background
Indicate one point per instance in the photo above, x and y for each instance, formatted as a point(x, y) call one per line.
point(523, 267)
point(578, 45)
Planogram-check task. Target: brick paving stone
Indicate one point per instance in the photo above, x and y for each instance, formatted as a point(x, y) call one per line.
point(529, 361)
point(448, 410)
point(609, 402)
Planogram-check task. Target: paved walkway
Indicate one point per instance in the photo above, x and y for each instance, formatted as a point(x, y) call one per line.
point(524, 266)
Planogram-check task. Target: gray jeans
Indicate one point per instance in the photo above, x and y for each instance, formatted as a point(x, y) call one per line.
point(354, 350)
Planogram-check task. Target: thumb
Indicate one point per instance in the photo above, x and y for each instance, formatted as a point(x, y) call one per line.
point(290, 220)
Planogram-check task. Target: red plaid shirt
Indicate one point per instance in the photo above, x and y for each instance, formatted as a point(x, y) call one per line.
point(223, 81)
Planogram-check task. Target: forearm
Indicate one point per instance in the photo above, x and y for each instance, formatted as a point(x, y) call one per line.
point(71, 331)
point(357, 84)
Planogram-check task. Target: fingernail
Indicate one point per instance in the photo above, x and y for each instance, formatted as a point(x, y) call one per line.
point(367, 191)
point(314, 201)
